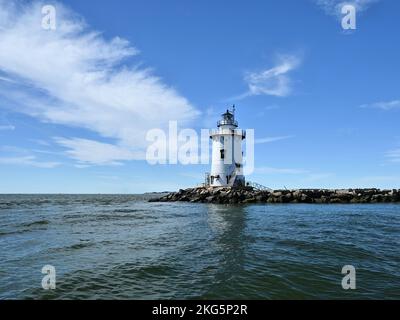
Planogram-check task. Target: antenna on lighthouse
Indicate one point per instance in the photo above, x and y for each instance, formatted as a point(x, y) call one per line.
point(233, 109)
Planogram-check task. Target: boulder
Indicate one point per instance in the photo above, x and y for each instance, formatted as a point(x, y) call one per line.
point(249, 195)
point(210, 199)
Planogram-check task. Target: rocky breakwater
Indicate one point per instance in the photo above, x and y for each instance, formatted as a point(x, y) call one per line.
point(251, 195)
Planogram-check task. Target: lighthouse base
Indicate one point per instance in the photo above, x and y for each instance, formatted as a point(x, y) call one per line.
point(235, 182)
point(239, 182)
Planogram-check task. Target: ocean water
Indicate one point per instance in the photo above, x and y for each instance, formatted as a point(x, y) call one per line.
point(123, 247)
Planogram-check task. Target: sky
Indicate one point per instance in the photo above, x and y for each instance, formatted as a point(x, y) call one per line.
point(77, 102)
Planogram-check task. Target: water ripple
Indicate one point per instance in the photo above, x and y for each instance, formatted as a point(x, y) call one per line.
point(122, 247)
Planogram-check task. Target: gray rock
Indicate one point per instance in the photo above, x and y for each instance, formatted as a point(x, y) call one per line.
point(250, 195)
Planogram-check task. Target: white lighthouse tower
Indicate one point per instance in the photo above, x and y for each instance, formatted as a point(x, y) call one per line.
point(227, 155)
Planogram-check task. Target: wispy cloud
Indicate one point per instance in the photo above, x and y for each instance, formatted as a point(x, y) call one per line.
point(272, 139)
point(40, 142)
point(393, 155)
point(78, 78)
point(193, 175)
point(384, 105)
point(271, 107)
point(28, 161)
point(376, 179)
point(333, 7)
point(271, 170)
point(7, 127)
point(6, 79)
point(90, 152)
point(318, 176)
point(272, 82)
point(266, 109)
point(13, 149)
point(305, 175)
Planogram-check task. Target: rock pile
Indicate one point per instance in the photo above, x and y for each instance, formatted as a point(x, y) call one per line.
point(251, 195)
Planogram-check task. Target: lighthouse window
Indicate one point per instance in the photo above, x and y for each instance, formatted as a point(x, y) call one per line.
point(222, 154)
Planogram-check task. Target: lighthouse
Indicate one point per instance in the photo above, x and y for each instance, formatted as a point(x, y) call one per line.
point(227, 154)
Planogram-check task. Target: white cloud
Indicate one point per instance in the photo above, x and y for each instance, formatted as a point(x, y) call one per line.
point(193, 175)
point(305, 175)
point(333, 7)
point(266, 109)
point(6, 79)
point(388, 105)
point(7, 127)
point(13, 149)
point(74, 76)
point(319, 176)
point(270, 170)
point(90, 152)
point(271, 139)
point(28, 161)
point(393, 155)
point(272, 107)
point(376, 179)
point(274, 81)
point(40, 142)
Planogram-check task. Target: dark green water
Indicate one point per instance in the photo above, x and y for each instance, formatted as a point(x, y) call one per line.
point(122, 247)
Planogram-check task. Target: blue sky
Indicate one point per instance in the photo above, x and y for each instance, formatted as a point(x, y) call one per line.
point(76, 102)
